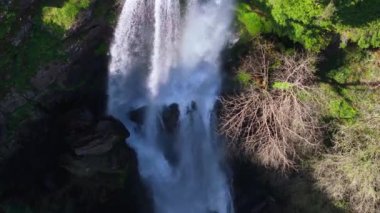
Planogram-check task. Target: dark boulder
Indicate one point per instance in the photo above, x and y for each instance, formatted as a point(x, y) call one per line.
point(138, 115)
point(170, 116)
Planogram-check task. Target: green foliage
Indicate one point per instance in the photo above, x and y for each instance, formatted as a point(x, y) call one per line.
point(348, 86)
point(349, 172)
point(313, 22)
point(359, 22)
point(252, 22)
point(282, 85)
point(366, 36)
point(340, 75)
point(341, 109)
point(65, 16)
point(305, 12)
point(243, 78)
point(305, 22)
point(42, 45)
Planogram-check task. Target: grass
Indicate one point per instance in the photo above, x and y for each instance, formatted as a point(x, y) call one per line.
point(349, 173)
point(352, 177)
point(349, 86)
point(336, 106)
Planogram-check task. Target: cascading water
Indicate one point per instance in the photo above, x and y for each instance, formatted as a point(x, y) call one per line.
point(165, 71)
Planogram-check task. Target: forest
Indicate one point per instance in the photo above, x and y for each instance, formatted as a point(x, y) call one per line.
point(299, 108)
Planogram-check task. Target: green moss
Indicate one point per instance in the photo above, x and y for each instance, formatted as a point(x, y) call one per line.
point(65, 16)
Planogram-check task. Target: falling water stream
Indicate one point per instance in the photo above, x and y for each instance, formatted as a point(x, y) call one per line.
point(164, 78)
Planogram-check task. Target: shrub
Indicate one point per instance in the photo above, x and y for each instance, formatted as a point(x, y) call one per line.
point(351, 173)
point(313, 23)
point(253, 23)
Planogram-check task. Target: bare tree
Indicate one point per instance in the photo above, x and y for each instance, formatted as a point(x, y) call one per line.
point(271, 123)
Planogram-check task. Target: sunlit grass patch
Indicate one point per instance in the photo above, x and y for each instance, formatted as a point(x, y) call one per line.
point(65, 16)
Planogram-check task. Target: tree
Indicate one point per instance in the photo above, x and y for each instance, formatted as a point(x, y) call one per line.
point(269, 121)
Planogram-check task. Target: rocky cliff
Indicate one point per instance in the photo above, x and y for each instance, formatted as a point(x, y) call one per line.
point(59, 152)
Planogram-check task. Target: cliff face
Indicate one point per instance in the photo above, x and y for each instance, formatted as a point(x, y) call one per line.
point(59, 151)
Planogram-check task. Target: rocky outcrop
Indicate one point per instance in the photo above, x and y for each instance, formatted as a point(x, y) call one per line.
point(59, 151)
point(73, 151)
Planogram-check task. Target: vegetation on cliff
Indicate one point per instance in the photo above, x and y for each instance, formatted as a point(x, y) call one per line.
point(304, 108)
point(343, 93)
point(58, 151)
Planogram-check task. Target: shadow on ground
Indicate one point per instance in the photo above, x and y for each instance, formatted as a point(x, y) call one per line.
point(359, 13)
point(260, 190)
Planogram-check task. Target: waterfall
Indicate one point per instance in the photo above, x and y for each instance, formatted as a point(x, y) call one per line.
point(164, 78)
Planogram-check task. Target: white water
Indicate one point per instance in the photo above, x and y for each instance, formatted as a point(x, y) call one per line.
point(162, 57)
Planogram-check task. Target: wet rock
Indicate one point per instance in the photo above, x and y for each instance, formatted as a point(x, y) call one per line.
point(170, 116)
point(105, 135)
point(98, 146)
point(138, 115)
point(112, 125)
